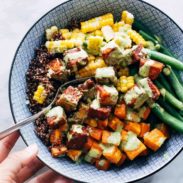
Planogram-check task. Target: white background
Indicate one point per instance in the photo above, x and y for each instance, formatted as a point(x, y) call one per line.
point(17, 16)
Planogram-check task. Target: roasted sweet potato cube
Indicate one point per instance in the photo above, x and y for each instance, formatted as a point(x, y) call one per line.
point(150, 68)
point(102, 124)
point(88, 144)
point(116, 124)
point(154, 139)
point(150, 88)
point(133, 147)
point(164, 129)
point(69, 99)
point(112, 153)
point(77, 137)
point(134, 127)
point(111, 137)
point(95, 133)
point(74, 154)
point(132, 115)
point(102, 164)
point(144, 153)
point(145, 127)
point(144, 112)
point(64, 127)
point(96, 111)
point(95, 151)
point(56, 117)
point(91, 122)
point(58, 151)
point(124, 135)
point(56, 137)
point(122, 160)
point(120, 111)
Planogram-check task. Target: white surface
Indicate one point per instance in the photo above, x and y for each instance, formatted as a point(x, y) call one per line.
point(17, 16)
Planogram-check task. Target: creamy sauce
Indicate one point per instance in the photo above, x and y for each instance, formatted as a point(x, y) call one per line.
point(145, 85)
point(114, 138)
point(101, 162)
point(161, 141)
point(105, 72)
point(144, 70)
point(122, 40)
point(95, 104)
point(77, 128)
point(108, 32)
point(56, 112)
point(93, 153)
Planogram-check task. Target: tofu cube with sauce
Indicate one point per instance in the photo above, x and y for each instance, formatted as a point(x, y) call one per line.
point(135, 97)
point(56, 116)
point(69, 99)
point(113, 138)
point(108, 95)
point(105, 75)
point(77, 137)
point(154, 139)
point(75, 59)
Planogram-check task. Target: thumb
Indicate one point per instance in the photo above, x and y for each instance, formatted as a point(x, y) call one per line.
point(16, 161)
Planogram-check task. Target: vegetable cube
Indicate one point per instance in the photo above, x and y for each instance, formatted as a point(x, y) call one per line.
point(108, 95)
point(150, 88)
point(95, 151)
point(91, 122)
point(69, 99)
point(96, 111)
point(164, 129)
point(131, 115)
point(112, 153)
point(75, 59)
point(102, 164)
point(56, 137)
point(56, 116)
point(113, 138)
point(116, 124)
point(135, 97)
point(74, 154)
point(145, 127)
point(134, 127)
point(144, 112)
point(77, 137)
point(102, 124)
point(120, 111)
point(88, 144)
point(105, 75)
point(154, 139)
point(58, 151)
point(89, 159)
point(122, 160)
point(150, 68)
point(95, 133)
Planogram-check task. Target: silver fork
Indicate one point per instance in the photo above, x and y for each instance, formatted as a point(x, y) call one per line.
point(30, 119)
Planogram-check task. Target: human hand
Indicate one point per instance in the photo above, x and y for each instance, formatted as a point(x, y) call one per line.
point(20, 166)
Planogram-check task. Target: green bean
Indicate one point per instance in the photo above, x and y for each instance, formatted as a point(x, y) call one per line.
point(167, 118)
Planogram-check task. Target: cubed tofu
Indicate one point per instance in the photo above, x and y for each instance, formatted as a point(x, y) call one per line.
point(116, 124)
point(74, 154)
point(69, 99)
point(102, 124)
point(57, 70)
point(120, 111)
point(132, 115)
point(112, 153)
point(134, 127)
point(132, 146)
point(96, 111)
point(56, 116)
point(58, 151)
point(75, 59)
point(95, 151)
point(150, 68)
point(164, 129)
point(108, 95)
point(145, 127)
point(77, 137)
point(113, 138)
point(112, 53)
point(150, 88)
point(105, 75)
point(154, 139)
point(86, 86)
point(144, 112)
point(137, 53)
point(108, 33)
point(80, 115)
point(102, 164)
point(56, 137)
point(135, 97)
point(95, 133)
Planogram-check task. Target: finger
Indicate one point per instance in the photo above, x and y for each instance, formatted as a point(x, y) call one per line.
point(52, 177)
point(30, 169)
point(19, 159)
point(7, 144)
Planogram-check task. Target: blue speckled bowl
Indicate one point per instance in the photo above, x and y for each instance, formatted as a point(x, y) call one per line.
point(159, 23)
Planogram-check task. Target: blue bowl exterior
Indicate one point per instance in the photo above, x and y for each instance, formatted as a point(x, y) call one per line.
point(159, 24)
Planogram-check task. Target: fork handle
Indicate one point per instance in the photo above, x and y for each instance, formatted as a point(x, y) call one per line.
point(21, 123)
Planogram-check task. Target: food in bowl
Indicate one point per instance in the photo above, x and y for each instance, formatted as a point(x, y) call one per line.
point(106, 119)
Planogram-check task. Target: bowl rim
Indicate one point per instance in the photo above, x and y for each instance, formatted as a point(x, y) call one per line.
point(10, 98)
